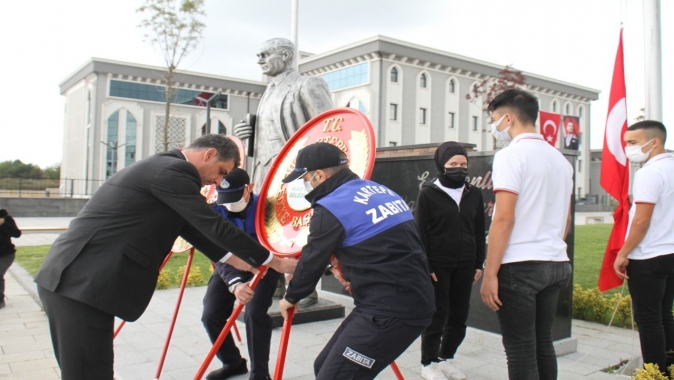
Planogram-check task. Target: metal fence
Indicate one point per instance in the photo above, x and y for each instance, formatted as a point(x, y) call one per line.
point(48, 188)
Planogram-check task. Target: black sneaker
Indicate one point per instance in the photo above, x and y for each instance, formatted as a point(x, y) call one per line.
point(228, 371)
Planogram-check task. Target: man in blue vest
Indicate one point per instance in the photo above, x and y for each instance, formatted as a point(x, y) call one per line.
point(237, 203)
point(371, 232)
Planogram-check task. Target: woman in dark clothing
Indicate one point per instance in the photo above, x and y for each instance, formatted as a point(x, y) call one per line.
point(450, 216)
point(8, 230)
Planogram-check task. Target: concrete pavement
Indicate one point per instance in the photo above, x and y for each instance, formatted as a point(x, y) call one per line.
point(26, 351)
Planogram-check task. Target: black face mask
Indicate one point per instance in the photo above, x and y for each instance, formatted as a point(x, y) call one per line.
point(454, 177)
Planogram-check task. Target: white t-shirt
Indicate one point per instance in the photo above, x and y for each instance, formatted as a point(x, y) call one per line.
point(453, 193)
point(543, 181)
point(654, 183)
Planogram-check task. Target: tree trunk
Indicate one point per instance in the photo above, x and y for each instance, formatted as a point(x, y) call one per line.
point(169, 90)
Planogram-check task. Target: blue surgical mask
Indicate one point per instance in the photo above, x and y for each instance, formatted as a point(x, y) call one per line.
point(503, 135)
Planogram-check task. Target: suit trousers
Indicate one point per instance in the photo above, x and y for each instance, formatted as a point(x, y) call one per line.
point(218, 306)
point(81, 336)
point(365, 344)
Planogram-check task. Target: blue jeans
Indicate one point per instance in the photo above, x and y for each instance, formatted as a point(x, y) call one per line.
point(529, 291)
point(651, 285)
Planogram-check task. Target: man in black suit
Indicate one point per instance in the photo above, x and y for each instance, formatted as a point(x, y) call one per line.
point(107, 263)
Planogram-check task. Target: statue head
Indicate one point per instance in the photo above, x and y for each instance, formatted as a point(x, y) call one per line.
point(276, 56)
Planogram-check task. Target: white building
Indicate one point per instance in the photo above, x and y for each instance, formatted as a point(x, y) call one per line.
point(412, 94)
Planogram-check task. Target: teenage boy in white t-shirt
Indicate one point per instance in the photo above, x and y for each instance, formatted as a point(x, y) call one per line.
point(648, 253)
point(527, 264)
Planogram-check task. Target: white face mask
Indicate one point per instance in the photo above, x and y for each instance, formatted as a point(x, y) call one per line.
point(635, 154)
point(237, 206)
point(307, 184)
point(500, 135)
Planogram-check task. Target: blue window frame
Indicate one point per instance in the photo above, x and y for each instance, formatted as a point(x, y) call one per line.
point(347, 77)
point(156, 93)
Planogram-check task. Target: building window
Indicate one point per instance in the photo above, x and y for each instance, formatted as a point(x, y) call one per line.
point(394, 75)
point(394, 111)
point(347, 77)
point(112, 143)
point(475, 123)
point(568, 109)
point(451, 119)
point(176, 133)
point(422, 115)
point(392, 143)
point(580, 192)
point(452, 86)
point(422, 81)
point(580, 112)
point(130, 155)
point(580, 166)
point(154, 93)
point(554, 106)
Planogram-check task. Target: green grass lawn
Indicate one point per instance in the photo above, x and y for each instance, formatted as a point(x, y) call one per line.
point(30, 258)
point(589, 252)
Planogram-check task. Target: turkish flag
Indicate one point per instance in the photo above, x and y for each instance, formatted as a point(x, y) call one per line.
point(614, 176)
point(549, 126)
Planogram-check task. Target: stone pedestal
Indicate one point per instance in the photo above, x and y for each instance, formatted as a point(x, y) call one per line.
point(320, 311)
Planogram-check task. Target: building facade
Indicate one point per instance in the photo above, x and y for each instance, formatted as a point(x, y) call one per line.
point(115, 113)
point(417, 95)
point(412, 95)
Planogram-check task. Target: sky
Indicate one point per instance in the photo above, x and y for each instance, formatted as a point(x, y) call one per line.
point(44, 41)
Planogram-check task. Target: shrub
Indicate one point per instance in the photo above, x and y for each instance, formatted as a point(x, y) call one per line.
point(163, 281)
point(194, 278)
point(589, 305)
point(652, 372)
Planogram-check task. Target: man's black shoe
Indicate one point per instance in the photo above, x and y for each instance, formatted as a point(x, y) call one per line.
point(228, 371)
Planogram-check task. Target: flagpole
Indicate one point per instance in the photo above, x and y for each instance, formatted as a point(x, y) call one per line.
point(294, 12)
point(653, 60)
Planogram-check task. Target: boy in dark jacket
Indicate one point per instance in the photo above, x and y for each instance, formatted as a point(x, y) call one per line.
point(237, 203)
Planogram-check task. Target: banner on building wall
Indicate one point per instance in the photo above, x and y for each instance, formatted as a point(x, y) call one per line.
point(571, 129)
point(549, 123)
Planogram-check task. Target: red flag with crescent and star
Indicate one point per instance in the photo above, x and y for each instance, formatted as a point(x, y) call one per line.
point(614, 177)
point(549, 126)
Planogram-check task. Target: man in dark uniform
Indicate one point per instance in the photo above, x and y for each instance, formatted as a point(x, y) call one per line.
point(372, 233)
point(237, 203)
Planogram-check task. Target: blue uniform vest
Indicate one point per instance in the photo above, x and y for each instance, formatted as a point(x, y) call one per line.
point(365, 209)
point(247, 223)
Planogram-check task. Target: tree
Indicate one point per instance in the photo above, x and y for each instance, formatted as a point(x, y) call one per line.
point(175, 28)
point(17, 169)
point(489, 88)
point(52, 172)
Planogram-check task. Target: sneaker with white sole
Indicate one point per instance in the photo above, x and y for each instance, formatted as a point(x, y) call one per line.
point(451, 372)
point(432, 372)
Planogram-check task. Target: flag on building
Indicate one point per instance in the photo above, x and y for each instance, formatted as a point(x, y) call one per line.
point(615, 170)
point(549, 123)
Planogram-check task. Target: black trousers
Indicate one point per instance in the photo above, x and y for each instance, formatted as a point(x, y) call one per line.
point(651, 285)
point(365, 344)
point(81, 336)
point(452, 301)
point(6, 260)
point(218, 306)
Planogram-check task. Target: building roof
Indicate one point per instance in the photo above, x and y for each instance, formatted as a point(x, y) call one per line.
point(154, 74)
point(425, 57)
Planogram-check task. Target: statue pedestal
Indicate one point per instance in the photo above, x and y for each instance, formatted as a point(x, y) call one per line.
point(320, 311)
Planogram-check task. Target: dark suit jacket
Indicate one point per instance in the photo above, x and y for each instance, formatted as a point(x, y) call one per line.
point(110, 255)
